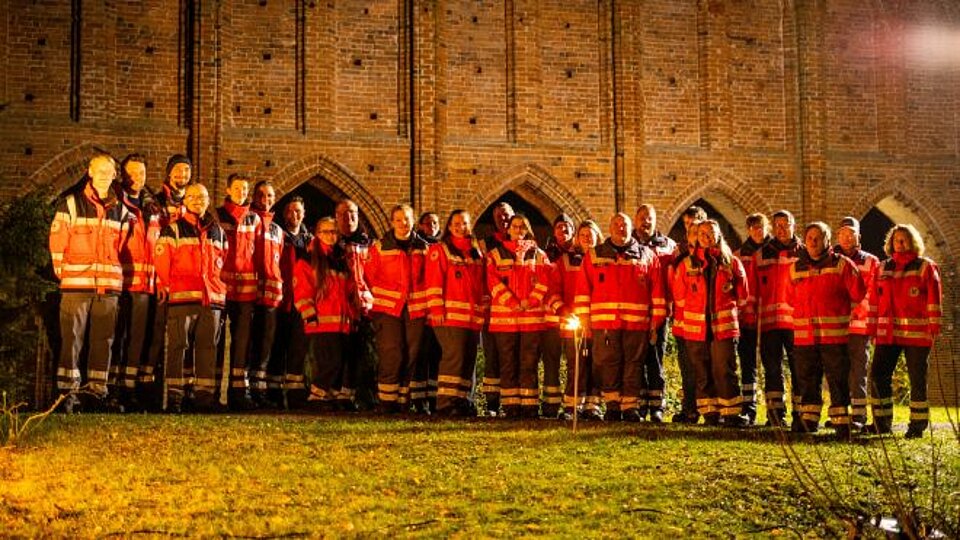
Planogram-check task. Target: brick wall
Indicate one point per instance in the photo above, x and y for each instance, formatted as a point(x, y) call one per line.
point(827, 108)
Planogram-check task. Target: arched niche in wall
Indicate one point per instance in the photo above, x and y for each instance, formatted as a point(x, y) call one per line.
point(483, 224)
point(320, 198)
point(732, 220)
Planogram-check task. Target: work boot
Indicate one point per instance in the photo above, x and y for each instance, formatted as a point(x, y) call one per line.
point(842, 432)
point(70, 404)
point(711, 419)
point(656, 416)
point(632, 416)
point(880, 426)
point(735, 421)
point(915, 430)
point(612, 415)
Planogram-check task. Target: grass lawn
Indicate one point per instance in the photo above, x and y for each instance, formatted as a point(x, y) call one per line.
point(287, 475)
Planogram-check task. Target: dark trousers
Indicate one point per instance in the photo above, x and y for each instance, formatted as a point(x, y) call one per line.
point(812, 363)
point(519, 354)
point(651, 374)
point(747, 352)
point(78, 311)
point(134, 323)
point(457, 361)
point(240, 319)
point(688, 380)
point(259, 361)
point(423, 387)
point(858, 350)
point(587, 396)
point(349, 379)
point(398, 346)
point(885, 360)
point(197, 326)
point(150, 375)
point(326, 370)
point(773, 345)
point(289, 354)
point(715, 367)
point(491, 370)
point(551, 347)
point(618, 355)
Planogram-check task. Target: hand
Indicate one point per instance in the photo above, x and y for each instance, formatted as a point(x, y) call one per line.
point(524, 305)
point(435, 320)
point(653, 336)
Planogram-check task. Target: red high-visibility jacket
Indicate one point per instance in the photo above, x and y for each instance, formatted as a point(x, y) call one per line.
point(395, 276)
point(294, 248)
point(906, 301)
point(139, 240)
point(748, 257)
point(563, 291)
point(772, 284)
point(454, 284)
point(823, 294)
point(334, 311)
point(242, 227)
point(189, 259)
point(510, 281)
point(269, 247)
point(621, 288)
point(719, 300)
point(869, 267)
point(666, 250)
point(85, 239)
point(678, 324)
point(357, 251)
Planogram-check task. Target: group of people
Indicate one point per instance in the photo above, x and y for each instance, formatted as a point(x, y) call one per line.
point(149, 280)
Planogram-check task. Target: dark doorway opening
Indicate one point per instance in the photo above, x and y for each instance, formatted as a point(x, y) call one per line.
point(318, 203)
point(873, 230)
point(679, 234)
point(542, 229)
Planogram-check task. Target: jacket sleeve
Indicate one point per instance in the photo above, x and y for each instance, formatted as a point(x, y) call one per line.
point(59, 236)
point(303, 292)
point(934, 297)
point(542, 270)
point(584, 289)
point(678, 290)
point(853, 280)
point(434, 276)
point(658, 294)
point(163, 256)
point(555, 287)
point(742, 287)
point(499, 293)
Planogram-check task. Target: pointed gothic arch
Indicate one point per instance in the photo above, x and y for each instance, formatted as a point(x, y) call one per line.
point(64, 169)
point(536, 186)
point(729, 194)
point(335, 181)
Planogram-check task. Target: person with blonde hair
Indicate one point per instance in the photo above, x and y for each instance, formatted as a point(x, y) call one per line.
point(906, 301)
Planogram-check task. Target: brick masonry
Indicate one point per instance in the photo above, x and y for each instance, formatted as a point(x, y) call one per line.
point(827, 108)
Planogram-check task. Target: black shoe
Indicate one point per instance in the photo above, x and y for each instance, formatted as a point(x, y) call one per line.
point(241, 404)
point(711, 420)
point(590, 416)
point(70, 404)
point(914, 431)
point(842, 432)
point(879, 428)
point(632, 416)
point(735, 421)
point(776, 420)
point(612, 415)
point(347, 406)
point(656, 417)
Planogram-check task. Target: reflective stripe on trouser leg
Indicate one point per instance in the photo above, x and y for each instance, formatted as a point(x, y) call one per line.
point(858, 347)
point(836, 368)
point(917, 359)
point(491, 370)
point(747, 355)
point(772, 355)
point(508, 353)
point(651, 372)
point(328, 364)
point(585, 375)
point(699, 354)
point(529, 360)
point(723, 368)
point(240, 320)
point(74, 315)
point(181, 323)
point(551, 349)
point(103, 323)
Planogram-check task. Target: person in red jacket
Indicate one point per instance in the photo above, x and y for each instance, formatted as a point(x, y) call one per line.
point(290, 343)
point(324, 294)
point(758, 234)
point(823, 287)
point(502, 213)
point(620, 294)
point(563, 290)
point(775, 315)
point(240, 274)
point(263, 371)
point(137, 301)
point(85, 241)
point(906, 301)
point(518, 276)
point(169, 201)
point(189, 258)
point(712, 286)
point(692, 217)
point(394, 274)
point(454, 291)
point(651, 373)
point(858, 343)
point(551, 343)
point(356, 245)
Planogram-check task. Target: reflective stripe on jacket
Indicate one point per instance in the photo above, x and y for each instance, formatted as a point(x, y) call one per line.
point(189, 259)
point(823, 294)
point(906, 301)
